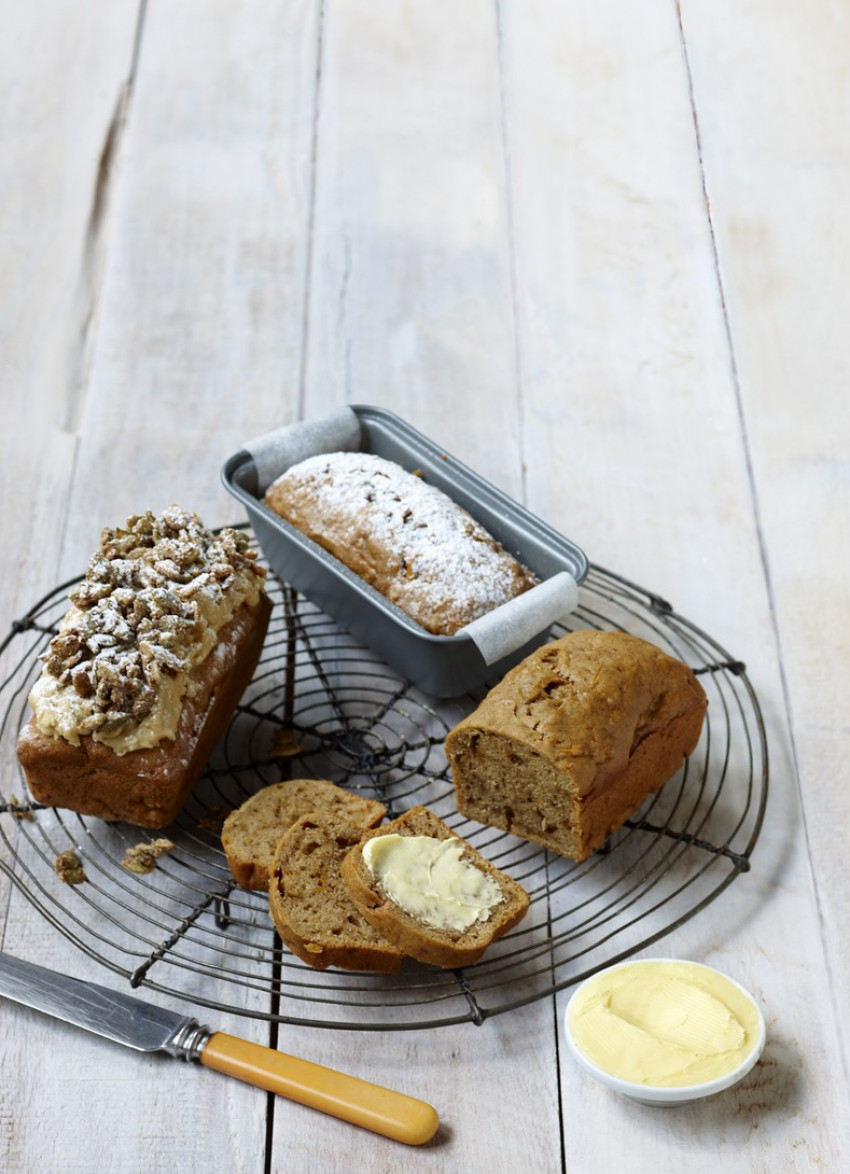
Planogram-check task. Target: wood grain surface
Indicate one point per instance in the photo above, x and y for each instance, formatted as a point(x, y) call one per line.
point(599, 251)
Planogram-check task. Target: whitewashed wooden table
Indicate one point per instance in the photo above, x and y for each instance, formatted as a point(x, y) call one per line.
point(597, 250)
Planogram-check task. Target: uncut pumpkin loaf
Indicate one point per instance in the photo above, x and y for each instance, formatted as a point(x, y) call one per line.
point(567, 746)
point(252, 832)
point(160, 642)
point(402, 536)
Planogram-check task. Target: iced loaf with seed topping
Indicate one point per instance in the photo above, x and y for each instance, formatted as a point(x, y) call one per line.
point(160, 642)
point(404, 537)
point(570, 742)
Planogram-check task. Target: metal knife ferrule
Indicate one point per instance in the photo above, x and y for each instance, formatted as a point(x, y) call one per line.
point(188, 1041)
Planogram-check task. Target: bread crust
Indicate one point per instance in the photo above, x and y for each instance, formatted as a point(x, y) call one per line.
point(401, 535)
point(252, 832)
point(148, 787)
point(310, 905)
point(426, 943)
point(569, 744)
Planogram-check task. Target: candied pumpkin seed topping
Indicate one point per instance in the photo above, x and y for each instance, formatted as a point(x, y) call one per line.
point(140, 610)
point(69, 868)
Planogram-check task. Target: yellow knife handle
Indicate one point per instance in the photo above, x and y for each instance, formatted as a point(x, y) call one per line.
point(392, 1114)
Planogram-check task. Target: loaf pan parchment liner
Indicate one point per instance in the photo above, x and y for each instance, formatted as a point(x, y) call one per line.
point(445, 666)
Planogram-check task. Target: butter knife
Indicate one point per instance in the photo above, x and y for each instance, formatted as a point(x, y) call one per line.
point(147, 1028)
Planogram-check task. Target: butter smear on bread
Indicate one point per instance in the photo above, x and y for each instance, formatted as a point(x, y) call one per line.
point(432, 880)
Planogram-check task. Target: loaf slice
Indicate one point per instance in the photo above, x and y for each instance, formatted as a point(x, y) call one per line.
point(569, 744)
point(420, 929)
point(146, 669)
point(252, 832)
point(310, 905)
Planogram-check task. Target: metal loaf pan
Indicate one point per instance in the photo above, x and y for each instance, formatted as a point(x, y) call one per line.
point(445, 666)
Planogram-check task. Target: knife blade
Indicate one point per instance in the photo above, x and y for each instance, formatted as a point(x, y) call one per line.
point(147, 1028)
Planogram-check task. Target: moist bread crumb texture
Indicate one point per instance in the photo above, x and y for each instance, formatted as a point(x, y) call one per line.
point(310, 905)
point(251, 833)
point(568, 745)
point(404, 537)
point(416, 938)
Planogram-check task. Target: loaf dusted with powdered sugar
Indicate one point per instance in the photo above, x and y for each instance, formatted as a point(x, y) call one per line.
point(404, 537)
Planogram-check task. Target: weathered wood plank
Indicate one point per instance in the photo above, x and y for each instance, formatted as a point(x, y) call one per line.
point(411, 308)
point(410, 287)
point(784, 248)
point(195, 329)
point(628, 371)
point(199, 341)
point(64, 78)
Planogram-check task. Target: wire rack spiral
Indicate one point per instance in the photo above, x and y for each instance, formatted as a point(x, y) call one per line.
point(322, 706)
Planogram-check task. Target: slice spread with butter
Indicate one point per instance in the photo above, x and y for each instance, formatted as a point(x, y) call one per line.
point(429, 892)
point(432, 879)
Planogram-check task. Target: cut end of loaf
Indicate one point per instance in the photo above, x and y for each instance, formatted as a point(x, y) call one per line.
point(570, 743)
point(505, 785)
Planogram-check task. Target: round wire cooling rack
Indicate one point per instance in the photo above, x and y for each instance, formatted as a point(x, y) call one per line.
point(322, 706)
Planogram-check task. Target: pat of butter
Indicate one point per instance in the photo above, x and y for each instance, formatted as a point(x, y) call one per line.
point(431, 880)
point(664, 1024)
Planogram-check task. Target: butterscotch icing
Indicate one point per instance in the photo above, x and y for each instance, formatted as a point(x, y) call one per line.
point(155, 596)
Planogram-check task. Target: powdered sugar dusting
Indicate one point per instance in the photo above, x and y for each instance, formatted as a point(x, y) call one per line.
point(402, 535)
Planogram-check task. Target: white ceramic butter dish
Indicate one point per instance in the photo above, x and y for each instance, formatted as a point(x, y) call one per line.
point(664, 1031)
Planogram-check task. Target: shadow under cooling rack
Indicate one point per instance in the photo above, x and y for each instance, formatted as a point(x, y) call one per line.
point(322, 706)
